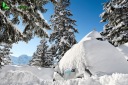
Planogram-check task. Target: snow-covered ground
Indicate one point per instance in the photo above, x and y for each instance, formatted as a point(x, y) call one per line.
point(26, 75)
point(106, 63)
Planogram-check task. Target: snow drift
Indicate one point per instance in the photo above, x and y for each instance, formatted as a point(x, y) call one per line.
point(107, 65)
point(9, 75)
point(24, 75)
point(100, 57)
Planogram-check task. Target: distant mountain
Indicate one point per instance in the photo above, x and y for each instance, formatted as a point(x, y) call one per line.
point(21, 60)
point(14, 60)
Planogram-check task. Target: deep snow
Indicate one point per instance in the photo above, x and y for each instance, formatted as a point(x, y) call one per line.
point(9, 75)
point(124, 50)
point(104, 61)
point(24, 74)
point(92, 35)
point(100, 57)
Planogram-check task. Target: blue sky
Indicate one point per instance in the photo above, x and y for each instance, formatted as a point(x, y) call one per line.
point(85, 12)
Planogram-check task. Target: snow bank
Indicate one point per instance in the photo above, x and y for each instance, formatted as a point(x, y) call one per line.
point(42, 73)
point(24, 75)
point(100, 57)
point(19, 77)
point(9, 75)
point(114, 79)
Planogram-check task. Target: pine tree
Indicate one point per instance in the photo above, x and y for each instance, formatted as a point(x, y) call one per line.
point(27, 11)
point(5, 54)
point(52, 53)
point(116, 15)
point(41, 57)
point(63, 28)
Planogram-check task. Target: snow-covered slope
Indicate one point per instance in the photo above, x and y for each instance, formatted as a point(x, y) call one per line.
point(103, 57)
point(124, 50)
point(100, 57)
point(92, 35)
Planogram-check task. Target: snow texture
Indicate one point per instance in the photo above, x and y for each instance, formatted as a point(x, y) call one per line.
point(104, 61)
point(92, 35)
point(24, 75)
point(124, 50)
point(119, 25)
point(13, 75)
point(100, 57)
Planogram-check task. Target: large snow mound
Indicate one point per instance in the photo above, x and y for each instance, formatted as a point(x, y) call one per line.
point(24, 75)
point(103, 57)
point(100, 57)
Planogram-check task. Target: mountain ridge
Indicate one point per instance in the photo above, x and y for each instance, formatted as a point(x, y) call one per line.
point(21, 60)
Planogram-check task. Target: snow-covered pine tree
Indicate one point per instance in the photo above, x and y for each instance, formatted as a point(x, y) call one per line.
point(5, 54)
point(27, 11)
point(116, 15)
point(63, 28)
point(52, 53)
point(41, 57)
